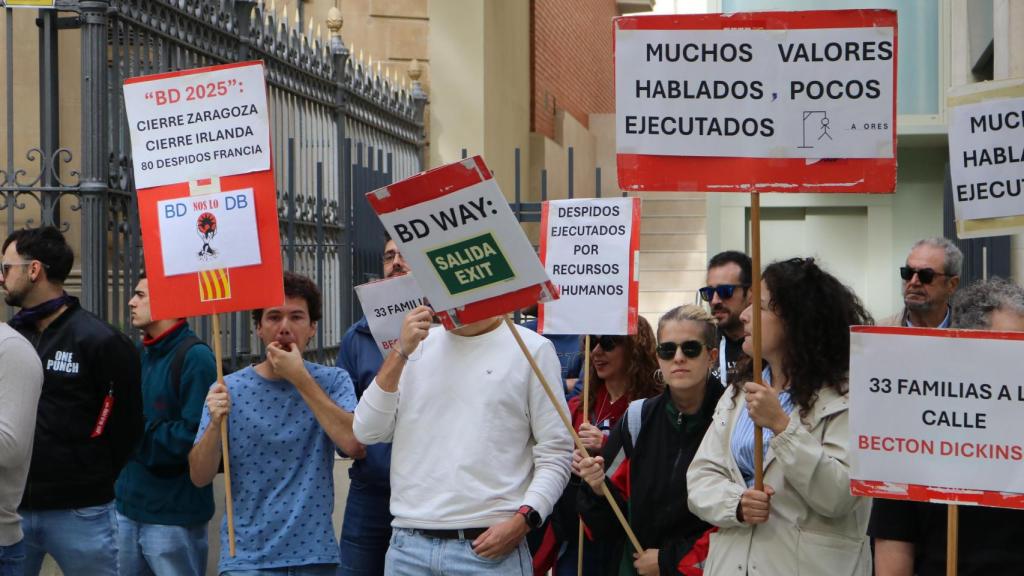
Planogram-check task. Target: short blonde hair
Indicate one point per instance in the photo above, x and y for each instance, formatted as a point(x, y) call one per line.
point(693, 313)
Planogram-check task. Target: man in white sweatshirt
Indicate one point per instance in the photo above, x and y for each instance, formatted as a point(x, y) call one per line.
point(479, 453)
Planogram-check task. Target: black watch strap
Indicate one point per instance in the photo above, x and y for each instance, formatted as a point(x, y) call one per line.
point(533, 519)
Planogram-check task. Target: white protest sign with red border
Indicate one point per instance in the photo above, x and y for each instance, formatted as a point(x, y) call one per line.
point(935, 415)
point(459, 236)
point(590, 249)
point(198, 123)
point(757, 101)
point(385, 304)
point(207, 200)
point(986, 159)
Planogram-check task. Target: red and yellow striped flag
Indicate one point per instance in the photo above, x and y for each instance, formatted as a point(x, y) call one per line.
point(214, 285)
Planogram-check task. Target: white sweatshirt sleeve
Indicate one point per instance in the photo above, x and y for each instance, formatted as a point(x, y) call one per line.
point(552, 454)
point(376, 415)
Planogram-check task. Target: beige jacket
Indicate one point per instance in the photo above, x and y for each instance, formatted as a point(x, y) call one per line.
point(815, 527)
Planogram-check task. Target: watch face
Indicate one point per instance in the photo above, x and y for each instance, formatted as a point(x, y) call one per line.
point(533, 519)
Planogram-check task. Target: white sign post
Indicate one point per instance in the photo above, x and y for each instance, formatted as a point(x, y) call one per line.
point(797, 93)
point(986, 157)
point(590, 249)
point(193, 125)
point(385, 304)
point(935, 415)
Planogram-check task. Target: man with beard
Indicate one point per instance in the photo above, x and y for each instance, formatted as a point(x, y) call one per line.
point(930, 276)
point(367, 524)
point(90, 411)
point(728, 294)
point(287, 418)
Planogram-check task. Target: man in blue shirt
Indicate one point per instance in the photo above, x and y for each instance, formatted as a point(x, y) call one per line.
point(287, 418)
point(366, 529)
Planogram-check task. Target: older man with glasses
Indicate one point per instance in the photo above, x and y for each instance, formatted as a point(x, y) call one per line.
point(910, 537)
point(930, 276)
point(728, 294)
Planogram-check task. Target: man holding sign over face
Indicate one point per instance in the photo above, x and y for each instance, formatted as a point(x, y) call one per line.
point(479, 454)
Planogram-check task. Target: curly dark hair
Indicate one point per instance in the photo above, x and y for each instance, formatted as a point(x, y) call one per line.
point(817, 311)
point(641, 363)
point(297, 286)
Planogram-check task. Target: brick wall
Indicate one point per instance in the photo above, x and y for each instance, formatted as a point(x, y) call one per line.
point(571, 62)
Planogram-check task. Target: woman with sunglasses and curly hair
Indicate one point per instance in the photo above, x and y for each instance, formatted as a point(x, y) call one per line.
point(649, 451)
point(804, 521)
point(621, 369)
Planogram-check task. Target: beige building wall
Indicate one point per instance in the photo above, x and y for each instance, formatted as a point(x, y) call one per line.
point(480, 100)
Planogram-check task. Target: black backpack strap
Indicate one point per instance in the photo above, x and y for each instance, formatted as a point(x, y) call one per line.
point(178, 361)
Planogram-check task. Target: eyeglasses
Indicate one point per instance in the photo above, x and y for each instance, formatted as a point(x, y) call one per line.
point(925, 275)
point(724, 291)
point(6, 267)
point(390, 256)
point(691, 349)
point(608, 343)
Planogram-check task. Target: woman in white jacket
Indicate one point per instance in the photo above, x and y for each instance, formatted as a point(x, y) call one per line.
point(805, 522)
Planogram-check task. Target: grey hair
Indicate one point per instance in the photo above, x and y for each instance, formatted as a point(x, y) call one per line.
point(693, 313)
point(973, 306)
point(952, 256)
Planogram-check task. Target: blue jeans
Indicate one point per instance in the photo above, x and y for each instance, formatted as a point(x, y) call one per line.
point(12, 558)
point(310, 570)
point(81, 540)
point(366, 530)
point(413, 554)
point(160, 550)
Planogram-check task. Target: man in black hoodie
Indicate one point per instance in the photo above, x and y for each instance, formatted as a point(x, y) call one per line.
point(90, 412)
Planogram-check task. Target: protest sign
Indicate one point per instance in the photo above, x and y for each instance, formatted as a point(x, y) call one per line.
point(757, 101)
point(198, 123)
point(935, 415)
point(460, 238)
point(590, 248)
point(209, 226)
point(986, 157)
point(27, 3)
point(385, 304)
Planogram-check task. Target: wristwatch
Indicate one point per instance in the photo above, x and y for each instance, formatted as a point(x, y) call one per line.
point(533, 519)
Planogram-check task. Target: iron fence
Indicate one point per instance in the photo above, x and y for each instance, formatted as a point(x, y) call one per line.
point(338, 130)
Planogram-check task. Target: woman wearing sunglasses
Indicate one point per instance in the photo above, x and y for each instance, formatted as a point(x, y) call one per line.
point(804, 521)
point(621, 369)
point(649, 451)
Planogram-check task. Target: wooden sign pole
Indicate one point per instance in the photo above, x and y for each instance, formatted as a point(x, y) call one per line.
point(575, 437)
point(586, 406)
point(755, 307)
point(952, 536)
point(228, 507)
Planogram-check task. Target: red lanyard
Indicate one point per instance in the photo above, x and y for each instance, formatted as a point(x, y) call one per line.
point(108, 407)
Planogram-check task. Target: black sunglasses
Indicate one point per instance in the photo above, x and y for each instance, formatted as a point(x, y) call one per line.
point(691, 349)
point(724, 291)
point(925, 275)
point(608, 343)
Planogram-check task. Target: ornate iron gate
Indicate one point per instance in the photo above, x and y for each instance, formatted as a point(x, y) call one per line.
point(338, 130)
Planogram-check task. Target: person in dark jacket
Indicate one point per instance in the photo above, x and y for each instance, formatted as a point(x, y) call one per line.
point(647, 474)
point(161, 515)
point(622, 369)
point(90, 413)
point(366, 529)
